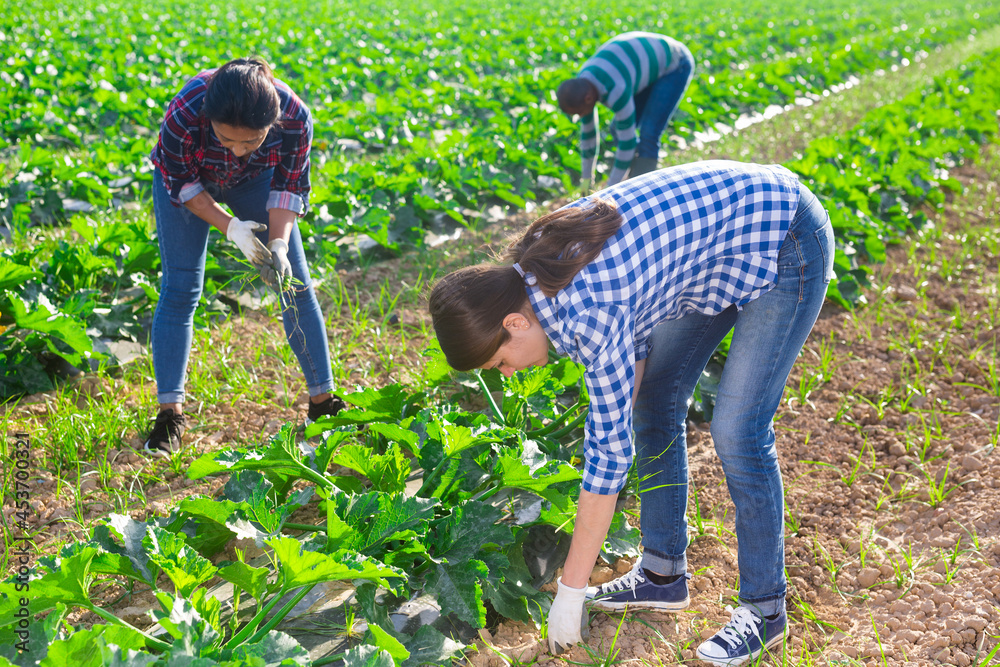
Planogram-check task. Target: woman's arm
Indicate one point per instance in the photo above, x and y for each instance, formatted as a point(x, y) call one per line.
point(206, 208)
point(593, 518)
point(280, 224)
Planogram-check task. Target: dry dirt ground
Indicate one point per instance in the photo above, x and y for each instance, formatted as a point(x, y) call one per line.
point(887, 440)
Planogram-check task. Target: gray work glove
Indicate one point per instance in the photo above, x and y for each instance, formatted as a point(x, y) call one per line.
point(241, 232)
point(567, 618)
point(275, 271)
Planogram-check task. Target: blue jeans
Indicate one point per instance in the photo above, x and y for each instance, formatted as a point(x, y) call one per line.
point(769, 333)
point(183, 238)
point(655, 105)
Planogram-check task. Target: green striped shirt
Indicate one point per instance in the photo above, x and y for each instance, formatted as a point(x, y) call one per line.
point(623, 66)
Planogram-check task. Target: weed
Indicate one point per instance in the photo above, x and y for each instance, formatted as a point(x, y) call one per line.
point(878, 639)
point(792, 523)
point(864, 546)
point(987, 660)
point(808, 382)
point(697, 517)
point(826, 560)
point(609, 656)
point(939, 489)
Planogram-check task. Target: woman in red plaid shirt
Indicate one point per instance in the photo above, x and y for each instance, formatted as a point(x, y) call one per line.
point(235, 136)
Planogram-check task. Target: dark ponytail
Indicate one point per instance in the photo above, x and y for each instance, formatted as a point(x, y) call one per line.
point(558, 245)
point(241, 93)
point(468, 306)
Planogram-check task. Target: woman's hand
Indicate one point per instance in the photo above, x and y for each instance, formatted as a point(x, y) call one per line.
point(274, 272)
point(566, 618)
point(241, 232)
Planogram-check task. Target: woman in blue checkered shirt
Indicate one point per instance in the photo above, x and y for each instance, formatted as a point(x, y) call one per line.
point(640, 283)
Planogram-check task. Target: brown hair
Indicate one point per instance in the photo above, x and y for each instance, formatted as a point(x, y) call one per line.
point(468, 306)
point(241, 93)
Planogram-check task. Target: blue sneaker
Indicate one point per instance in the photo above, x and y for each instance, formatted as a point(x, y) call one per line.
point(635, 591)
point(743, 638)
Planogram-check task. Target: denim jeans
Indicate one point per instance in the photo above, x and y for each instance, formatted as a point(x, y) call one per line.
point(655, 105)
point(769, 333)
point(183, 238)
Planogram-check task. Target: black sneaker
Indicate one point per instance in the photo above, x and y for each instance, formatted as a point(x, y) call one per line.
point(744, 637)
point(634, 590)
point(165, 438)
point(329, 407)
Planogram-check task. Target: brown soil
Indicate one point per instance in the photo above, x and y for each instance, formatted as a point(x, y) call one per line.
point(858, 473)
point(857, 485)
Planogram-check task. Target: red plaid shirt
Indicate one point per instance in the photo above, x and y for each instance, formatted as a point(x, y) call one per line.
point(188, 154)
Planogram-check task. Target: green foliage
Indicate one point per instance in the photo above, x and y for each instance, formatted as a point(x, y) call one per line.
point(876, 178)
point(415, 129)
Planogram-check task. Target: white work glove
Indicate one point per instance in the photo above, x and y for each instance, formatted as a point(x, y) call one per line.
point(567, 618)
point(279, 267)
point(241, 232)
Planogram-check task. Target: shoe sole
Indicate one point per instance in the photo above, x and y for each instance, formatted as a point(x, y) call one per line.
point(155, 451)
point(639, 605)
point(735, 662)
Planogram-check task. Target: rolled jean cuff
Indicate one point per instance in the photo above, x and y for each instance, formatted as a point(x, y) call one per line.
point(171, 397)
point(659, 563)
point(325, 388)
point(765, 607)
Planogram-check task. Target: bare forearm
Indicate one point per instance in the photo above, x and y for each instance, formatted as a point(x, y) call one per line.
point(206, 208)
point(280, 224)
point(593, 518)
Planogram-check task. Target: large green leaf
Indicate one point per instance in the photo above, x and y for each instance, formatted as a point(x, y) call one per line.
point(282, 461)
point(388, 404)
point(185, 567)
point(470, 526)
point(457, 587)
point(131, 533)
point(193, 635)
point(511, 592)
point(396, 433)
point(299, 567)
point(98, 646)
point(29, 645)
point(39, 318)
point(387, 472)
point(388, 643)
point(430, 647)
point(275, 649)
point(13, 274)
point(248, 578)
point(377, 518)
point(623, 539)
point(367, 655)
point(515, 474)
point(209, 522)
point(68, 582)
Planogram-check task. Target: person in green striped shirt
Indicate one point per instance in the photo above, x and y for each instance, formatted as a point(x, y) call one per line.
point(641, 77)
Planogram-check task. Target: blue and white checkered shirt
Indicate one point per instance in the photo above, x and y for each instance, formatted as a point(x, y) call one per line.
point(695, 238)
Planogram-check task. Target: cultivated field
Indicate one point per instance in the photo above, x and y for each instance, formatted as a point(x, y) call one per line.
point(409, 529)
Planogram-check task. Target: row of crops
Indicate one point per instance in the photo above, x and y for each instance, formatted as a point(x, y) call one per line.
point(424, 116)
point(428, 110)
point(486, 480)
